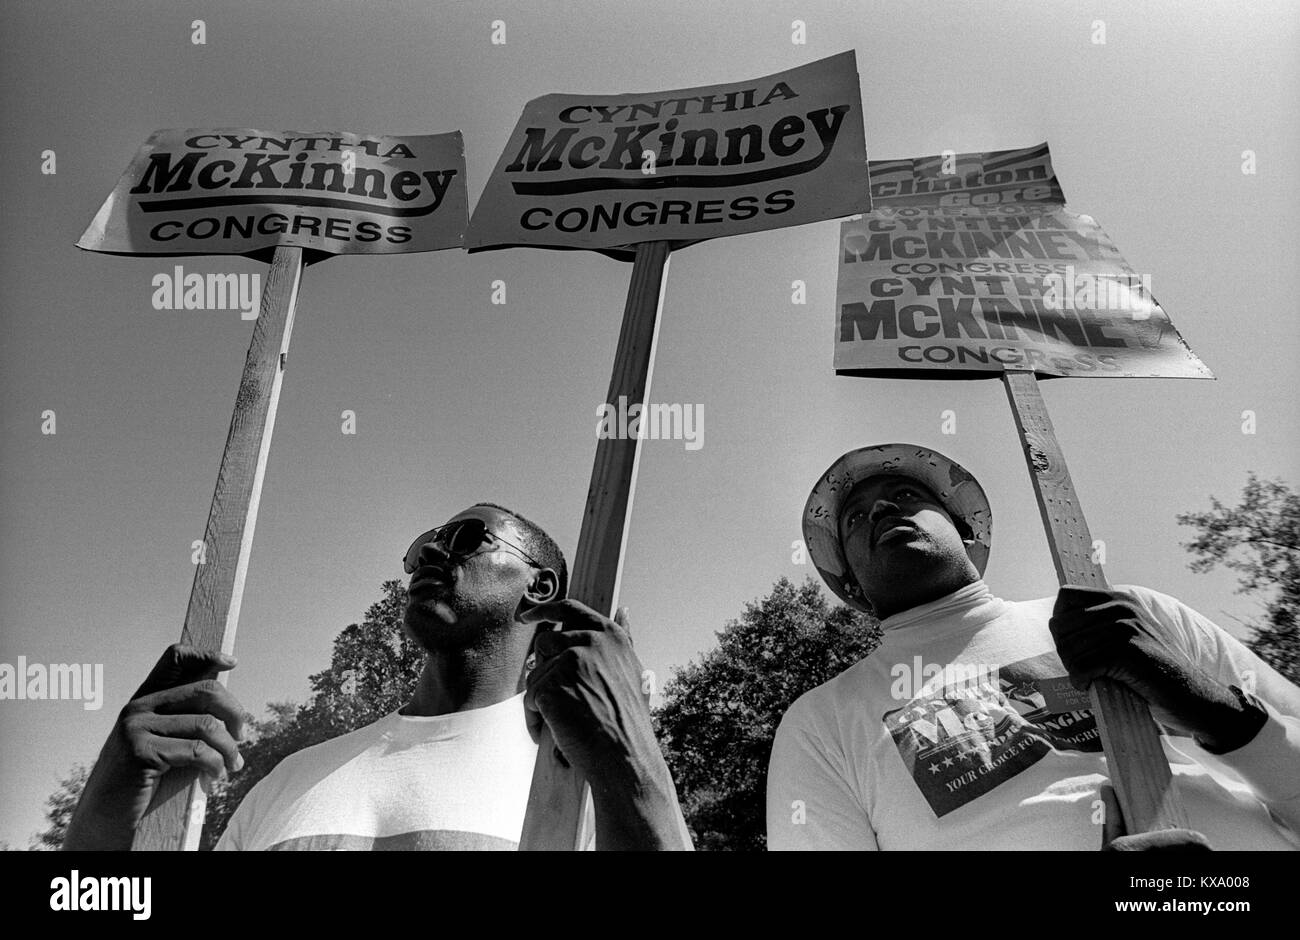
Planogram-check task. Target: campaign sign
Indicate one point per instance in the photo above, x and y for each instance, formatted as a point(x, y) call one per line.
point(237, 190)
point(970, 264)
point(607, 171)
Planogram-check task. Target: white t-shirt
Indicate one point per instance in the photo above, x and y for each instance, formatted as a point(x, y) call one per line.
point(999, 751)
point(457, 781)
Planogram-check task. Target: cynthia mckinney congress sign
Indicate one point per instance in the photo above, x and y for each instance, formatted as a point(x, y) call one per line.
point(971, 264)
point(236, 190)
point(606, 171)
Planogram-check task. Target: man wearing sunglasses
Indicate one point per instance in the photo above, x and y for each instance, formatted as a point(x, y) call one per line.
point(453, 767)
point(969, 727)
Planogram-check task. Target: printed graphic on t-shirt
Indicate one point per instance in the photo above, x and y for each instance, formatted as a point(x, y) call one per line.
point(960, 739)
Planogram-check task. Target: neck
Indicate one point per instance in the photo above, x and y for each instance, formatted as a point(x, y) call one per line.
point(909, 592)
point(458, 680)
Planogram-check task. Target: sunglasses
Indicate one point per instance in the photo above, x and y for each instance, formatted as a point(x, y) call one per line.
point(461, 539)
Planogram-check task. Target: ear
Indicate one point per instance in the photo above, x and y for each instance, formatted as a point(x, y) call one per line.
point(544, 587)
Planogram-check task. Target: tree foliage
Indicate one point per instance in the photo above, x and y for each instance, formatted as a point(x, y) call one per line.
point(58, 809)
point(1259, 539)
point(720, 715)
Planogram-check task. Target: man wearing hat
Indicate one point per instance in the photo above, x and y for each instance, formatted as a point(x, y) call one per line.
point(970, 727)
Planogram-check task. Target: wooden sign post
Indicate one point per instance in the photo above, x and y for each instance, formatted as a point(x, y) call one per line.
point(558, 814)
point(383, 207)
point(658, 171)
point(1139, 769)
point(174, 820)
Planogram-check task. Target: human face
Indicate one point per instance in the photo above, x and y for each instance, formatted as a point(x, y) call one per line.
point(892, 529)
point(456, 600)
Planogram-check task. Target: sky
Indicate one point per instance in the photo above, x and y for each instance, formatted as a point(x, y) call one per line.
point(459, 400)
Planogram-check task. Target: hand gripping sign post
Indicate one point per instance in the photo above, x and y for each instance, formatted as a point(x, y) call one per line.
point(633, 177)
point(241, 191)
point(971, 266)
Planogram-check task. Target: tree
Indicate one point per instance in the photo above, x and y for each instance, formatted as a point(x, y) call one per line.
point(58, 809)
point(1260, 538)
point(720, 715)
point(372, 672)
